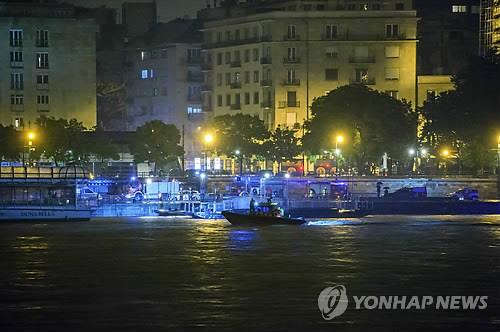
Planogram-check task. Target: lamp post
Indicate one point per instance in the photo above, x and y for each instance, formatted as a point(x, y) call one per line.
point(240, 159)
point(445, 153)
point(208, 139)
point(30, 137)
point(412, 153)
point(338, 140)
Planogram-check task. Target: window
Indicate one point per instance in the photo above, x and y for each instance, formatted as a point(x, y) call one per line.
point(42, 79)
point(42, 100)
point(144, 74)
point(331, 74)
point(143, 55)
point(474, 9)
point(256, 76)
point(256, 97)
point(291, 99)
point(164, 54)
point(164, 91)
point(291, 76)
point(228, 35)
point(332, 52)
point(246, 56)
point(193, 109)
point(155, 92)
point(392, 74)
point(255, 54)
point(193, 53)
point(219, 100)
point(16, 56)
point(291, 32)
point(247, 98)
point(247, 77)
point(42, 60)
point(331, 31)
point(237, 99)
point(18, 122)
point(236, 77)
point(255, 32)
point(228, 100)
point(361, 75)
point(16, 81)
point(219, 36)
point(458, 9)
point(227, 58)
point(42, 38)
point(392, 51)
point(237, 56)
point(16, 37)
point(391, 30)
point(393, 93)
point(363, 6)
point(219, 59)
point(228, 78)
point(219, 79)
point(292, 53)
point(246, 33)
point(151, 73)
point(237, 34)
point(16, 99)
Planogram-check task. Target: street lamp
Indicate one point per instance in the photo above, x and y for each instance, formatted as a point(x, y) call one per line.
point(30, 138)
point(338, 140)
point(208, 138)
point(240, 158)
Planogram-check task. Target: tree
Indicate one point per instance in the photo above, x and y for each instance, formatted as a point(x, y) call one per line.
point(241, 132)
point(12, 143)
point(467, 118)
point(373, 123)
point(282, 146)
point(156, 142)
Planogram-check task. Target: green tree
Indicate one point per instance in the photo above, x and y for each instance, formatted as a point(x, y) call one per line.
point(12, 143)
point(156, 142)
point(370, 121)
point(282, 146)
point(467, 119)
point(241, 132)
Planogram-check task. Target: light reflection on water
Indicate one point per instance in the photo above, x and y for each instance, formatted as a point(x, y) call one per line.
point(158, 273)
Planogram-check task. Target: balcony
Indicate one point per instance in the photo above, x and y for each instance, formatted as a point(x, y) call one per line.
point(17, 107)
point(42, 108)
point(235, 85)
point(289, 60)
point(194, 60)
point(206, 88)
point(194, 78)
point(362, 59)
point(266, 104)
point(42, 86)
point(289, 103)
point(235, 107)
point(194, 98)
point(236, 64)
point(294, 82)
point(16, 64)
point(266, 83)
point(267, 60)
point(236, 42)
point(366, 81)
point(289, 37)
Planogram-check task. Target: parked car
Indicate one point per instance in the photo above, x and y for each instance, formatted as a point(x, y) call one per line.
point(465, 194)
point(86, 193)
point(408, 193)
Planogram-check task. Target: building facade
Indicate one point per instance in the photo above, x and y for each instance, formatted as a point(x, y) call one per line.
point(489, 27)
point(165, 82)
point(47, 59)
point(272, 59)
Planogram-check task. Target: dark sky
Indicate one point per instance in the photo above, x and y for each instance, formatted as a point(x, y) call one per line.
point(167, 9)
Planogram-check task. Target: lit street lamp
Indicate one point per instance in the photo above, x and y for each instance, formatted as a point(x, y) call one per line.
point(29, 146)
point(338, 140)
point(240, 158)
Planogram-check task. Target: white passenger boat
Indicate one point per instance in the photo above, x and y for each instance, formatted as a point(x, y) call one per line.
point(44, 193)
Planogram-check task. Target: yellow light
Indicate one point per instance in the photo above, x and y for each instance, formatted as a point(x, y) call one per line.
point(208, 138)
point(445, 153)
point(31, 135)
point(340, 138)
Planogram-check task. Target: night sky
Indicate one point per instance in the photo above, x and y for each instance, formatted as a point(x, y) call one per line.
point(167, 9)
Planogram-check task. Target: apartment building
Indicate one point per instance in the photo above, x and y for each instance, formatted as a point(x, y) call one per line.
point(165, 81)
point(273, 58)
point(489, 27)
point(47, 59)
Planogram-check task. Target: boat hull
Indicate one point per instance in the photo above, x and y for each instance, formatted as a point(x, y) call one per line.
point(240, 219)
point(42, 213)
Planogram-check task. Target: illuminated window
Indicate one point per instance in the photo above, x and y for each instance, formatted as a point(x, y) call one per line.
point(194, 109)
point(42, 60)
point(144, 74)
point(459, 9)
point(18, 122)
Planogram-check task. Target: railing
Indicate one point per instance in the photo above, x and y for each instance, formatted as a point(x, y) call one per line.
point(236, 64)
point(289, 103)
point(288, 37)
point(291, 82)
point(16, 64)
point(266, 104)
point(368, 81)
point(266, 83)
point(289, 60)
point(266, 60)
point(42, 86)
point(17, 107)
point(235, 85)
point(236, 42)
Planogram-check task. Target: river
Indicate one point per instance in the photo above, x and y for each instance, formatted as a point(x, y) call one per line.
point(160, 274)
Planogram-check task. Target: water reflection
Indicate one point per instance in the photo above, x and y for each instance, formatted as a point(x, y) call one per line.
point(243, 240)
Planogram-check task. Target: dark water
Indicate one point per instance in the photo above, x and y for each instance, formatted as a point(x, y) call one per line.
point(166, 275)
